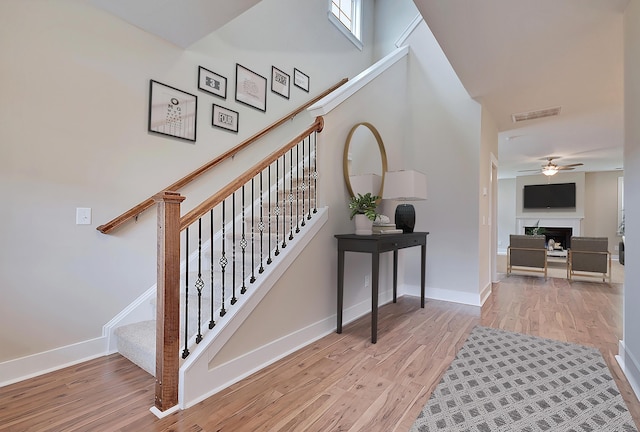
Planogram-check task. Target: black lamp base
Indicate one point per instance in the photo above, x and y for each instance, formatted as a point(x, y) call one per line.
point(405, 218)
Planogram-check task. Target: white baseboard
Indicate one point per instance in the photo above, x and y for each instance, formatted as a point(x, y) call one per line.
point(23, 368)
point(630, 367)
point(485, 293)
point(442, 294)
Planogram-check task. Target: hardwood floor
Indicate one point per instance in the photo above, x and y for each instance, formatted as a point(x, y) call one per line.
point(339, 383)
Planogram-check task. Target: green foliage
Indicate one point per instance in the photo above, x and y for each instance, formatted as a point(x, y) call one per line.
point(364, 204)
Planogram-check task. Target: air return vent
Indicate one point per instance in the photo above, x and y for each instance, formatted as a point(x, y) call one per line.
point(531, 115)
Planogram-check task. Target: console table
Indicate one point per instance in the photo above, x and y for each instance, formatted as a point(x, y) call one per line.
point(376, 244)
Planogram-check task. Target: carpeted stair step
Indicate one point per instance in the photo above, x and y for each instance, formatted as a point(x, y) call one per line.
point(137, 341)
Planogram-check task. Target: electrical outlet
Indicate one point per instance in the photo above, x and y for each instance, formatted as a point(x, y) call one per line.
point(616, 248)
point(367, 280)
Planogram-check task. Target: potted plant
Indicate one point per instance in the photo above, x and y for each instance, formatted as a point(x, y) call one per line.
point(363, 209)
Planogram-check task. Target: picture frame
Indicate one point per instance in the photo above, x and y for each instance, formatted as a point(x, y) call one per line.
point(251, 88)
point(212, 83)
point(280, 82)
point(224, 118)
point(172, 112)
point(301, 80)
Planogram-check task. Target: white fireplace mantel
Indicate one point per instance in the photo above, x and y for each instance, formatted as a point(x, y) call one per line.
point(574, 223)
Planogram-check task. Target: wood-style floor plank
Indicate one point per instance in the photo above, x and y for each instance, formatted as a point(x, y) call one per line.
point(339, 383)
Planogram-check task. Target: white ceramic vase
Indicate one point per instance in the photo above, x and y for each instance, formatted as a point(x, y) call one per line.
point(363, 224)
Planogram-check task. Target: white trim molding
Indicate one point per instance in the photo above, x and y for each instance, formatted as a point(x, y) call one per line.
point(407, 32)
point(325, 105)
point(23, 368)
point(630, 367)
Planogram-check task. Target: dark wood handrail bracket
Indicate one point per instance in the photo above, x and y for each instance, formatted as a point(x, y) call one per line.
point(149, 202)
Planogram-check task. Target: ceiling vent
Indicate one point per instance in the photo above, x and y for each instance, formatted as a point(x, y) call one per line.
point(532, 115)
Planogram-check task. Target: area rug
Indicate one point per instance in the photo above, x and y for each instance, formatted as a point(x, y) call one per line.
point(504, 381)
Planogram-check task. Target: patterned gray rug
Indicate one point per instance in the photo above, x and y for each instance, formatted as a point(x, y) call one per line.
point(503, 381)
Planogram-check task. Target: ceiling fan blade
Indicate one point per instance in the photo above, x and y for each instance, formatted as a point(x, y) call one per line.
point(565, 168)
point(573, 165)
point(538, 169)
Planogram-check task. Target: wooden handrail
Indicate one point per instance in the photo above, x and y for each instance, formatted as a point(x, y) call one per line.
point(149, 202)
point(223, 193)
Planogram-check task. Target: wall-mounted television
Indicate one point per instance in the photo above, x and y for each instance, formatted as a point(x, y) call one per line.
point(549, 196)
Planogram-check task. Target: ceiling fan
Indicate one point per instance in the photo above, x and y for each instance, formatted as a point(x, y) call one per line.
point(551, 168)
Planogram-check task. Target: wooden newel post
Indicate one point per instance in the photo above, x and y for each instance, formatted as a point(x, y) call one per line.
point(168, 299)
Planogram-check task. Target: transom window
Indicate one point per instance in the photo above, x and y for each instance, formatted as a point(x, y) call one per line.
point(346, 16)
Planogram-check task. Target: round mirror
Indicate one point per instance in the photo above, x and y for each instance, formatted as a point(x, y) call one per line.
point(364, 160)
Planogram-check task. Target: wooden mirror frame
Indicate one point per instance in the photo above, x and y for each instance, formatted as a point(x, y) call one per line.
point(345, 158)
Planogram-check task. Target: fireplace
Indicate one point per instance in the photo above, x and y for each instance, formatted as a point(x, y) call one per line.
point(560, 236)
point(558, 229)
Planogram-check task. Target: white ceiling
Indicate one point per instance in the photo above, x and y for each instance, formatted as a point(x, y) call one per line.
point(515, 56)
point(181, 22)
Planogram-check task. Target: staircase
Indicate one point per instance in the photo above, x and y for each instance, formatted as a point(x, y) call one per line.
point(232, 253)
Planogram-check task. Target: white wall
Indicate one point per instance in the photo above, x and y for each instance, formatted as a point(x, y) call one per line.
point(601, 207)
point(630, 346)
point(443, 140)
point(506, 212)
point(391, 20)
point(74, 134)
point(488, 153)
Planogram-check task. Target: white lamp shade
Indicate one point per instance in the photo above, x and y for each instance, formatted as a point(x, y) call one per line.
point(407, 185)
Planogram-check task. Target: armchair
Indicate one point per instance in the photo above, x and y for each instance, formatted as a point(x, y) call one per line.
point(528, 253)
point(591, 255)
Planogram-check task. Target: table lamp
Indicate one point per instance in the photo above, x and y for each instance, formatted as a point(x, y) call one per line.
point(407, 185)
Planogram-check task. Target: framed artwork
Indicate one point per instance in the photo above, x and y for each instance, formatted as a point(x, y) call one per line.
point(300, 80)
point(225, 118)
point(280, 82)
point(172, 112)
point(211, 82)
point(251, 88)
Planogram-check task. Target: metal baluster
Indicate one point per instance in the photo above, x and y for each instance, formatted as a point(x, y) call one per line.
point(277, 208)
point(284, 201)
point(261, 226)
point(253, 221)
point(315, 172)
point(212, 322)
point(243, 245)
point(291, 197)
point(233, 249)
point(303, 185)
point(185, 352)
point(309, 176)
point(199, 282)
point(223, 261)
point(269, 215)
point(297, 186)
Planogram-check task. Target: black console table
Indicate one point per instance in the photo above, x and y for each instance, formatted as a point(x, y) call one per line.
point(376, 244)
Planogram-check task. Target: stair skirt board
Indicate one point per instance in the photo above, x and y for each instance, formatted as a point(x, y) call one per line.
point(196, 381)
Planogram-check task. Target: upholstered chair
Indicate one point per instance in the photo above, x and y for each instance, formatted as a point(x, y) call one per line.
point(589, 255)
point(527, 253)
